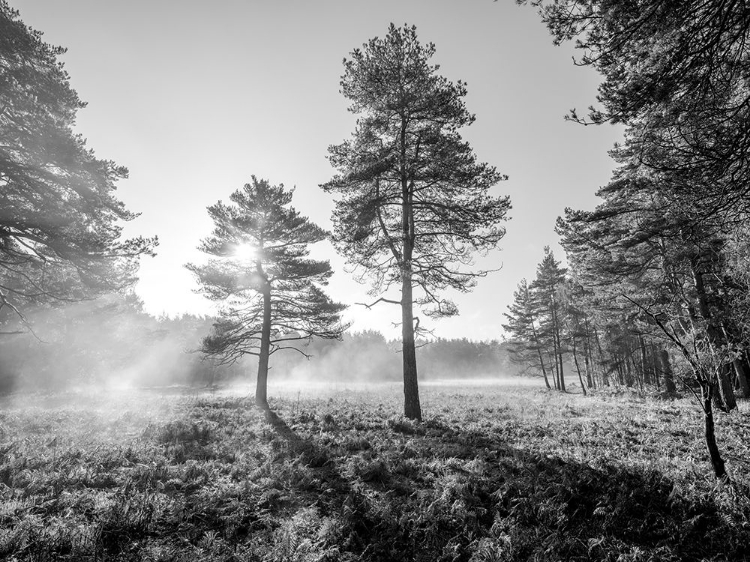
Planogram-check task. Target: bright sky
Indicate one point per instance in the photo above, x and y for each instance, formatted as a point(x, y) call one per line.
point(195, 97)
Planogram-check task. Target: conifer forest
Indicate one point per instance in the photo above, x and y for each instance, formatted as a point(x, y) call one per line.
point(604, 413)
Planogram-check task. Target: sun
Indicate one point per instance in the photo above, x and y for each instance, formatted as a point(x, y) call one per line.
point(245, 252)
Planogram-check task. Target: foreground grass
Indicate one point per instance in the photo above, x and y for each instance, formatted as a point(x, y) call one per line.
point(491, 474)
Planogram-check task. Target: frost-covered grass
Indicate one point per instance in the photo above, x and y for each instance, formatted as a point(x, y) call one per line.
point(492, 473)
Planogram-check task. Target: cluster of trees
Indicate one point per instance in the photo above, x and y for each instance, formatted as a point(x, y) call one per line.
point(413, 208)
point(556, 325)
point(661, 264)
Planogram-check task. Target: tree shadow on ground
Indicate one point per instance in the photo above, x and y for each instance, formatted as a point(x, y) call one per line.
point(434, 492)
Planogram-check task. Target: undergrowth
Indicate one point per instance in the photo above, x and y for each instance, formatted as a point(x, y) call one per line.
point(494, 474)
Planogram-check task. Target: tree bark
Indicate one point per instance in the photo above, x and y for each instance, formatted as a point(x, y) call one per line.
point(557, 345)
point(412, 408)
point(644, 363)
point(261, 387)
point(741, 378)
point(539, 351)
point(605, 376)
point(655, 365)
point(667, 374)
point(726, 398)
point(578, 367)
point(587, 356)
point(713, 449)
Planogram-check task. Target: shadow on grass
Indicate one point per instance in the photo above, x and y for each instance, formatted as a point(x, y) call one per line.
point(222, 482)
point(432, 492)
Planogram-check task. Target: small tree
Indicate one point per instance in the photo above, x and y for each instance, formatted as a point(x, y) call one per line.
point(414, 203)
point(525, 345)
point(550, 279)
point(60, 222)
point(262, 275)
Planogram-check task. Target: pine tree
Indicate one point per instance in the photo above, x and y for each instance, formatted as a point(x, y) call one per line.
point(526, 347)
point(550, 278)
point(60, 222)
point(261, 274)
point(414, 204)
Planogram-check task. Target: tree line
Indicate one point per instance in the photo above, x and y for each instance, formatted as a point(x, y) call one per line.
point(111, 343)
point(657, 271)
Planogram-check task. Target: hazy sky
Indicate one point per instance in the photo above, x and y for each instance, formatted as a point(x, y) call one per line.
point(195, 97)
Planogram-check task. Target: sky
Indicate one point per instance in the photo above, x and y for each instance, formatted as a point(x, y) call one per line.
point(196, 97)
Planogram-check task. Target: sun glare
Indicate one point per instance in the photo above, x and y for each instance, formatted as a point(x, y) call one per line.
point(245, 252)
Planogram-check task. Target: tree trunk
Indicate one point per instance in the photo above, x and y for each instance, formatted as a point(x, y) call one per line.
point(620, 373)
point(644, 363)
point(587, 356)
point(628, 371)
point(716, 339)
point(557, 345)
point(261, 387)
point(605, 377)
point(539, 351)
point(741, 378)
point(726, 395)
point(655, 365)
point(555, 373)
point(412, 409)
point(578, 367)
point(544, 371)
point(713, 449)
point(666, 371)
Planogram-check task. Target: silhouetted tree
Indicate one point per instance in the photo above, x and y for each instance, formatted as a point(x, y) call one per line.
point(261, 273)
point(59, 217)
point(413, 201)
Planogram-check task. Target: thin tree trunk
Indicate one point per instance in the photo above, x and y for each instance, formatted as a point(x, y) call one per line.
point(557, 345)
point(555, 373)
point(644, 363)
point(629, 376)
point(727, 399)
point(587, 364)
point(741, 378)
point(539, 351)
point(713, 449)
point(605, 377)
point(261, 387)
point(655, 365)
point(587, 357)
point(544, 371)
point(666, 370)
point(578, 368)
point(726, 396)
point(620, 374)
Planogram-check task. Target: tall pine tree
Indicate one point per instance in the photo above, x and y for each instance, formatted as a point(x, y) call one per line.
point(413, 203)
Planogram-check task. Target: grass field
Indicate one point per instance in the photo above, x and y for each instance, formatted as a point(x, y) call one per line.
point(497, 472)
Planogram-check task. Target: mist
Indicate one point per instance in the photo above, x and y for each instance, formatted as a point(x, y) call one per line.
point(111, 343)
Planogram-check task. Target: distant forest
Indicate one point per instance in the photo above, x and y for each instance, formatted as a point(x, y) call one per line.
point(113, 341)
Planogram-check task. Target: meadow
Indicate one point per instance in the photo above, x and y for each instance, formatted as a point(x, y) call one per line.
point(495, 472)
